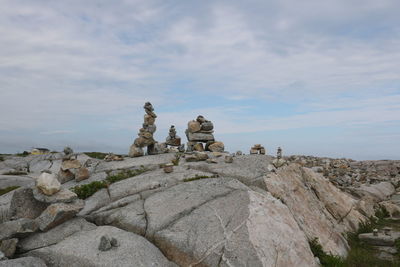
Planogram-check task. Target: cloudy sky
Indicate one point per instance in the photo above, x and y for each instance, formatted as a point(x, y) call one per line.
point(314, 77)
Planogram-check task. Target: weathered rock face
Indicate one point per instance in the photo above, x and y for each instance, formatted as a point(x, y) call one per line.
point(17, 228)
point(55, 235)
point(216, 147)
point(48, 184)
point(58, 213)
point(24, 205)
point(325, 212)
point(236, 230)
point(25, 261)
point(8, 247)
point(81, 249)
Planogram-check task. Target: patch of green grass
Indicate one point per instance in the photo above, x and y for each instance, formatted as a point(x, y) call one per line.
point(198, 177)
point(15, 173)
point(87, 190)
point(1, 158)
point(124, 175)
point(324, 258)
point(7, 189)
point(96, 155)
point(23, 154)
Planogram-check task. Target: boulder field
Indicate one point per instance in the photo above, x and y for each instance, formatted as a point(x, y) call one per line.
point(241, 212)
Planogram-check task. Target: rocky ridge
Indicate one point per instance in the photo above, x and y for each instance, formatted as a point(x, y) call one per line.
point(206, 212)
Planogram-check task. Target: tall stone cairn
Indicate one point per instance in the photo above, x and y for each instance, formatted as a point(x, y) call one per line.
point(145, 134)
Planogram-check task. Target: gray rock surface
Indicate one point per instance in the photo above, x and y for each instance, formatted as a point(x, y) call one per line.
point(23, 262)
point(62, 196)
point(81, 250)
point(55, 235)
point(58, 213)
point(24, 205)
point(8, 247)
point(18, 228)
point(13, 180)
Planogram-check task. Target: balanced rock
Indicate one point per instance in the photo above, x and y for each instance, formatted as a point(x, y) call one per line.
point(70, 164)
point(48, 184)
point(217, 147)
point(65, 176)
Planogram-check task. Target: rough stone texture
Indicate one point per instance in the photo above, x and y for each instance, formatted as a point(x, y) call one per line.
point(198, 147)
point(216, 147)
point(392, 208)
point(17, 228)
point(82, 174)
point(127, 214)
point(81, 249)
point(23, 262)
point(55, 235)
point(320, 209)
point(200, 137)
point(58, 213)
point(64, 196)
point(65, 176)
point(8, 247)
point(24, 205)
point(194, 126)
point(105, 243)
point(380, 192)
point(48, 184)
point(135, 151)
point(70, 164)
point(380, 240)
point(97, 200)
point(38, 166)
point(239, 228)
point(12, 180)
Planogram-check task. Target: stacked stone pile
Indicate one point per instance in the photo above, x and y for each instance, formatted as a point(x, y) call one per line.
point(71, 168)
point(257, 149)
point(35, 209)
point(174, 141)
point(201, 131)
point(145, 134)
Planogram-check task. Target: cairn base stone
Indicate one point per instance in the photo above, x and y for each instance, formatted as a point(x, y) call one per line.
point(135, 151)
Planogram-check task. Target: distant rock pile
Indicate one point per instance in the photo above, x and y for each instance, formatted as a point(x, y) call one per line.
point(257, 149)
point(201, 131)
point(71, 168)
point(174, 141)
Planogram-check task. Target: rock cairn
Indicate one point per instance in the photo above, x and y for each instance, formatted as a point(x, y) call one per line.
point(201, 131)
point(279, 161)
point(71, 168)
point(145, 134)
point(174, 141)
point(257, 149)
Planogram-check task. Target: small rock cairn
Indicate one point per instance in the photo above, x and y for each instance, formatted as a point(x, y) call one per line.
point(174, 141)
point(257, 149)
point(145, 134)
point(200, 131)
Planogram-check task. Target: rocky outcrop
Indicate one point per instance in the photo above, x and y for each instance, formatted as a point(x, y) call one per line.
point(81, 249)
point(321, 210)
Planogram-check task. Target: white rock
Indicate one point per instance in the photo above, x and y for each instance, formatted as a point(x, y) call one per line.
point(48, 184)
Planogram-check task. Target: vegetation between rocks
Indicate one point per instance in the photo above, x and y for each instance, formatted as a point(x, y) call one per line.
point(96, 155)
point(7, 189)
point(23, 154)
point(360, 254)
point(87, 190)
point(198, 177)
point(175, 161)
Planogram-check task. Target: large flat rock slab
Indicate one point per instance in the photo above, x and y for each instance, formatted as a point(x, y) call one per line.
point(135, 162)
point(23, 262)
point(14, 180)
point(81, 250)
point(242, 228)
